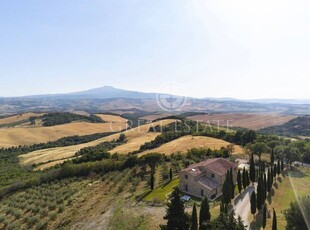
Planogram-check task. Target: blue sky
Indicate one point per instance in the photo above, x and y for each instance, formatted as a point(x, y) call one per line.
point(241, 48)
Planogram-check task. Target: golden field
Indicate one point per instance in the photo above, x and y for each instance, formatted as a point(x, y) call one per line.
point(185, 143)
point(250, 121)
point(17, 118)
point(139, 135)
point(155, 116)
point(112, 118)
point(29, 135)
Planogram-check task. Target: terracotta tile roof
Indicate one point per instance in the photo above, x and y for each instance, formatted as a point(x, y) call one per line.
point(216, 165)
point(208, 182)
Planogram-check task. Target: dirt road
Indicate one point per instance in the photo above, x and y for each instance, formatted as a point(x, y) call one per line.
point(242, 205)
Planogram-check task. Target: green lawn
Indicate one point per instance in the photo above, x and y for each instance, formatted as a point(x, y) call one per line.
point(295, 184)
point(161, 193)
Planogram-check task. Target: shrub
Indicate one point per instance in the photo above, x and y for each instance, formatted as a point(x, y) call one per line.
point(136, 181)
point(42, 226)
point(60, 201)
point(17, 214)
point(44, 212)
point(52, 206)
point(9, 210)
point(31, 220)
point(61, 209)
point(14, 226)
point(53, 216)
point(4, 220)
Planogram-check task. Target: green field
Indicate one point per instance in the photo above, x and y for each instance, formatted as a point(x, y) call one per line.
point(162, 192)
point(290, 186)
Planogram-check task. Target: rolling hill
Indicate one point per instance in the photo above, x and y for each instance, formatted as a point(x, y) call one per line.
point(109, 98)
point(185, 143)
point(57, 155)
point(244, 120)
point(28, 135)
point(299, 126)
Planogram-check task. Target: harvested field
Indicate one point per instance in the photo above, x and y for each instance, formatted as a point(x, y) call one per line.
point(18, 118)
point(112, 118)
point(32, 135)
point(52, 163)
point(185, 143)
point(60, 153)
point(250, 121)
point(134, 143)
point(84, 113)
point(155, 116)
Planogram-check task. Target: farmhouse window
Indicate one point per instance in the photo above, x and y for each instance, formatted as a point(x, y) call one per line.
point(186, 188)
point(212, 175)
point(201, 192)
point(186, 177)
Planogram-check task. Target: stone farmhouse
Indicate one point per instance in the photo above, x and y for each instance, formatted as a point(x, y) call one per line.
point(206, 178)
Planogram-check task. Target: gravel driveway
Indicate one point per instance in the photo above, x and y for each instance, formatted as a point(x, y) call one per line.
point(242, 205)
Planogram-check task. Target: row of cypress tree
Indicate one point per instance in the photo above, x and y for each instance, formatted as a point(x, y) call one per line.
point(243, 180)
point(228, 189)
point(264, 186)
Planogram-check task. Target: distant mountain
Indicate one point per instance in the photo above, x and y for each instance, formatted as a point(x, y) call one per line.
point(106, 92)
point(99, 93)
point(264, 101)
point(111, 92)
point(282, 101)
point(108, 98)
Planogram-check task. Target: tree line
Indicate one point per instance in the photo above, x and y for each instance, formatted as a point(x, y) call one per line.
point(51, 119)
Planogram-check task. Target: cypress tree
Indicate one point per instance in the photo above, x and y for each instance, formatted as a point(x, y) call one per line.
point(176, 216)
point(239, 181)
point(265, 187)
point(247, 178)
point(170, 174)
point(278, 168)
point(194, 221)
point(152, 180)
point(253, 203)
point(261, 167)
point(252, 169)
point(259, 197)
point(274, 220)
point(225, 208)
point(264, 216)
point(272, 157)
point(204, 215)
point(244, 179)
point(271, 176)
point(227, 189)
point(282, 164)
point(274, 170)
point(232, 184)
point(269, 181)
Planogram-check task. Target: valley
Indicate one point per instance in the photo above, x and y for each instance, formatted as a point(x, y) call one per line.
point(116, 186)
point(154, 115)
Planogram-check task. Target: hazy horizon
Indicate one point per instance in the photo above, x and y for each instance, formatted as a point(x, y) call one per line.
point(240, 49)
point(206, 97)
